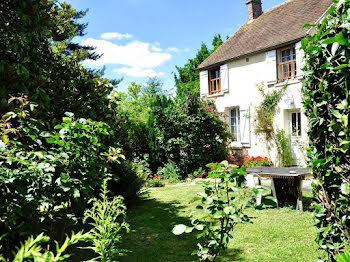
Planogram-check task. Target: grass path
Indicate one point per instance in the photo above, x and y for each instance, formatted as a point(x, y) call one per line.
point(275, 235)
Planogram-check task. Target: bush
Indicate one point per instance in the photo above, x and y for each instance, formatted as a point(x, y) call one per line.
point(46, 186)
point(251, 161)
point(128, 181)
point(326, 102)
point(188, 133)
point(169, 173)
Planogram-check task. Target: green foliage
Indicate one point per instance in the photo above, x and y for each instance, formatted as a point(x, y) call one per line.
point(344, 256)
point(188, 133)
point(134, 109)
point(170, 173)
point(32, 250)
point(107, 218)
point(221, 208)
point(39, 60)
point(326, 103)
point(265, 112)
point(187, 76)
point(284, 150)
point(51, 184)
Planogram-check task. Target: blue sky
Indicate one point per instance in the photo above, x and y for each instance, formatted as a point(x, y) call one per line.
point(145, 38)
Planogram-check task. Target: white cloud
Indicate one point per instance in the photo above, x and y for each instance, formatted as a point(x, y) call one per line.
point(134, 54)
point(115, 35)
point(137, 72)
point(177, 50)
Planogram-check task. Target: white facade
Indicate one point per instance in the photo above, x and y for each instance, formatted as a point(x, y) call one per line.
point(239, 90)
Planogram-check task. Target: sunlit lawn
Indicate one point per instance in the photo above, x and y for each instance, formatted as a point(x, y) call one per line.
point(275, 235)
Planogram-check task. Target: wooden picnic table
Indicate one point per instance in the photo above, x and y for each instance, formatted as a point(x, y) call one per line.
point(286, 183)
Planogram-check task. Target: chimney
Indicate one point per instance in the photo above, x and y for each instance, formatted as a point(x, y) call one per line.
point(254, 8)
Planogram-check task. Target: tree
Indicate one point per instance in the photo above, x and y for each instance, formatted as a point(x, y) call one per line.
point(39, 60)
point(187, 77)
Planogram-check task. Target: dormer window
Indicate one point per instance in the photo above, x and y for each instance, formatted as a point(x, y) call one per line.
point(214, 81)
point(287, 66)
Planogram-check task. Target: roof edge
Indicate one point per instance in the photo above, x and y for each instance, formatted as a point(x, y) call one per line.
point(252, 53)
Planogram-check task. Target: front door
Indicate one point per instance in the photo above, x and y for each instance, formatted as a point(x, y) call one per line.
point(295, 136)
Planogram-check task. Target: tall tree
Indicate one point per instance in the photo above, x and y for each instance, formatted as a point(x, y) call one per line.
point(187, 76)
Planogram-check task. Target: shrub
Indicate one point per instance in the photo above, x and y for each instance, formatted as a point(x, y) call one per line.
point(221, 207)
point(155, 181)
point(284, 150)
point(251, 161)
point(326, 103)
point(188, 133)
point(128, 181)
point(169, 173)
point(41, 186)
point(107, 218)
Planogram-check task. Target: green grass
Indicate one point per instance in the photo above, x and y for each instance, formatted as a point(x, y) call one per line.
point(275, 234)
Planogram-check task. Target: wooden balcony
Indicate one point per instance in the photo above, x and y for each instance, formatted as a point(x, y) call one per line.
point(287, 70)
point(214, 86)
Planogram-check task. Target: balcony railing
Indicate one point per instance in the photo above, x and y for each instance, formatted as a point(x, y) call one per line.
point(214, 86)
point(287, 70)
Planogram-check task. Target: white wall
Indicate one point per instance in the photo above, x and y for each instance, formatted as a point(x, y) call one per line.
point(244, 75)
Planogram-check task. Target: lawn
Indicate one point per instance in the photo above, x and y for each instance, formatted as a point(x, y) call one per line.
point(275, 234)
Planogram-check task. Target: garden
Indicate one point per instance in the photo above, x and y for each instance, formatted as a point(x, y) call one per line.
point(90, 173)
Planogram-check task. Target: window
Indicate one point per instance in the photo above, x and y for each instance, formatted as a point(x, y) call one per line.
point(214, 81)
point(296, 124)
point(286, 64)
point(235, 124)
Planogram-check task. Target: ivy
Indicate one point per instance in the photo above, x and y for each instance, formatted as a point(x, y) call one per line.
point(326, 103)
point(265, 112)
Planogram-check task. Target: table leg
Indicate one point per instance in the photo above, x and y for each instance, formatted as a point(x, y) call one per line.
point(300, 195)
point(273, 189)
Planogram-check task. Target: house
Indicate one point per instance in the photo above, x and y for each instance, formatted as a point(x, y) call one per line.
point(265, 50)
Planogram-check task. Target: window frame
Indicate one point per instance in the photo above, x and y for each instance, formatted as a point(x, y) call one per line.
point(291, 64)
point(237, 136)
point(214, 84)
point(295, 132)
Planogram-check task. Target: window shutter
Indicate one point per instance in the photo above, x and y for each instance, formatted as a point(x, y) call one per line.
point(224, 78)
point(245, 126)
point(300, 59)
point(204, 87)
point(271, 73)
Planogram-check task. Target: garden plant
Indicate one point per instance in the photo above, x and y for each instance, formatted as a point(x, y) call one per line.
point(223, 202)
point(326, 96)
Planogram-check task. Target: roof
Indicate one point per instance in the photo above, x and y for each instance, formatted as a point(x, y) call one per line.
point(277, 26)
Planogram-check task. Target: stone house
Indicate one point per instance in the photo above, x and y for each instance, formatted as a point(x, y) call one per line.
point(266, 51)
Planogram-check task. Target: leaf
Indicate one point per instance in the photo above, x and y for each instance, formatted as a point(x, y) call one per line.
point(339, 38)
point(345, 188)
point(179, 229)
point(76, 193)
point(5, 139)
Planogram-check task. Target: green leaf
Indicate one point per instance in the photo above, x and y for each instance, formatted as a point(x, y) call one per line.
point(339, 38)
point(345, 188)
point(76, 193)
point(179, 229)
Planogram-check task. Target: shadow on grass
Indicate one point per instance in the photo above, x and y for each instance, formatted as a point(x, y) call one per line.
point(150, 237)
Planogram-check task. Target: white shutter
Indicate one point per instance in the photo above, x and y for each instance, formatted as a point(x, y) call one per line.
point(224, 78)
point(245, 126)
point(203, 78)
point(271, 74)
point(300, 59)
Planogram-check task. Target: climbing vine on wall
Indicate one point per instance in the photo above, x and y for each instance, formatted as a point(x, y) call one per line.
point(326, 101)
point(265, 112)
